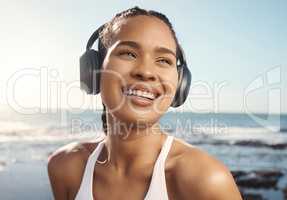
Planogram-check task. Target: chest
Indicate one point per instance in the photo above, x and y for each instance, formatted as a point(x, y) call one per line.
point(109, 187)
point(119, 189)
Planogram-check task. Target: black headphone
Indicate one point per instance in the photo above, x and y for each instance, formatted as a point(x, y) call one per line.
point(91, 62)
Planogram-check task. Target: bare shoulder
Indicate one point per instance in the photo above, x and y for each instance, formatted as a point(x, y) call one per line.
point(201, 176)
point(70, 158)
point(66, 166)
point(63, 157)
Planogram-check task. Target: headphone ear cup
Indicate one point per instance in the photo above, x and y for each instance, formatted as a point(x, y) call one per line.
point(90, 72)
point(183, 86)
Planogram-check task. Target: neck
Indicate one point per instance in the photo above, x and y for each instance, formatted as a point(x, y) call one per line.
point(128, 147)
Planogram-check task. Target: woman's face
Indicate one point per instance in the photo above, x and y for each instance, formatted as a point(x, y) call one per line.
point(142, 57)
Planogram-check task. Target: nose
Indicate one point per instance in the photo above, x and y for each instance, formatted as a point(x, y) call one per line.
point(144, 72)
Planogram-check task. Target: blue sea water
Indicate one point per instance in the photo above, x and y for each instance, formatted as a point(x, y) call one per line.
point(241, 141)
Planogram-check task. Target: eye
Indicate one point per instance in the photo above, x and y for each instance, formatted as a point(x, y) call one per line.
point(165, 61)
point(127, 53)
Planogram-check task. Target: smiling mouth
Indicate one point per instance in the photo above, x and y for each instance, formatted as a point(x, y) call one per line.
point(139, 93)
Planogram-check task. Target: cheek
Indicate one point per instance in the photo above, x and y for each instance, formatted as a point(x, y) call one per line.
point(169, 85)
point(110, 86)
point(106, 78)
point(113, 77)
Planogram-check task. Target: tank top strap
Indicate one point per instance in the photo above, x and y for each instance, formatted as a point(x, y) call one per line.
point(95, 154)
point(157, 189)
point(87, 179)
point(165, 149)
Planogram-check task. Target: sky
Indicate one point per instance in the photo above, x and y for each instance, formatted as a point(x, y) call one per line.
point(236, 51)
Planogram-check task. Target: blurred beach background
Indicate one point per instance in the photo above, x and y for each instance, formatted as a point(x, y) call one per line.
point(234, 138)
point(236, 109)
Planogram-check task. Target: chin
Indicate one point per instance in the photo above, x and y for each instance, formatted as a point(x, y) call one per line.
point(132, 117)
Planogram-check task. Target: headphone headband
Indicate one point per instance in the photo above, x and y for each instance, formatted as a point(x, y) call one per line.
point(94, 37)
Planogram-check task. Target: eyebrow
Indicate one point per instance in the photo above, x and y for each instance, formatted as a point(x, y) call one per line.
point(137, 46)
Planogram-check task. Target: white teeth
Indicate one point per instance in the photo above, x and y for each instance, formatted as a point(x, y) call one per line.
point(140, 93)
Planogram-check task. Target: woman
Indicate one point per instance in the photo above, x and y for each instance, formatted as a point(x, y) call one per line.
point(137, 160)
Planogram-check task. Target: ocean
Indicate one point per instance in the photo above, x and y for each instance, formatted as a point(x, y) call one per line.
point(241, 141)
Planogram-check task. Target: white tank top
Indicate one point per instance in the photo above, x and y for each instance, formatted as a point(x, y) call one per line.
point(157, 188)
